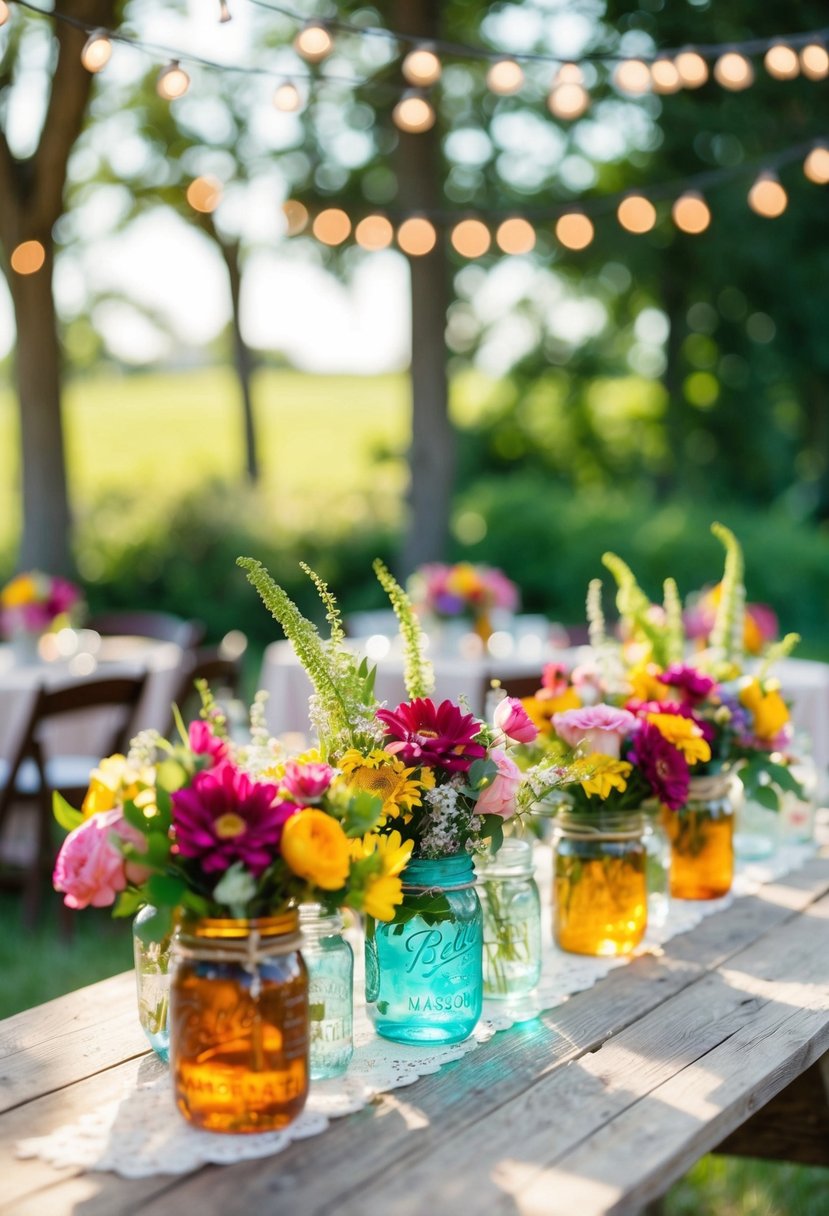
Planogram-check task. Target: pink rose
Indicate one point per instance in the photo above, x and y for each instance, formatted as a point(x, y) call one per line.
point(203, 742)
point(499, 797)
point(90, 868)
point(512, 719)
point(597, 728)
point(307, 782)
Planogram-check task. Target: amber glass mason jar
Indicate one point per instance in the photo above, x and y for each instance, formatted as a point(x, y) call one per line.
point(239, 1023)
point(600, 896)
point(702, 839)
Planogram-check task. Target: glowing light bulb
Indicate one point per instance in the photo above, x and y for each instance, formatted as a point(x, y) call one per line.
point(692, 68)
point(814, 60)
point(286, 98)
point(421, 67)
point(5, 12)
point(173, 82)
point(332, 226)
point(296, 216)
point(568, 97)
point(28, 257)
point(632, 76)
point(816, 165)
point(417, 236)
point(204, 194)
point(414, 114)
point(505, 77)
point(471, 238)
point(97, 51)
point(665, 76)
point(374, 232)
point(691, 213)
point(636, 213)
point(781, 62)
point(574, 230)
point(313, 42)
point(733, 71)
point(225, 14)
point(515, 235)
point(767, 197)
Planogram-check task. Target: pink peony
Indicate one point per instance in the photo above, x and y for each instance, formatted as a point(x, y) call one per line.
point(512, 719)
point(203, 742)
point(306, 783)
point(598, 728)
point(90, 868)
point(499, 797)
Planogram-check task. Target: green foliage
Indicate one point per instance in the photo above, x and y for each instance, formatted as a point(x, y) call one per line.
point(729, 622)
point(418, 675)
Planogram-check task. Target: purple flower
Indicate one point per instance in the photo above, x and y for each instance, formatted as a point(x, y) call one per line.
point(663, 766)
point(307, 783)
point(693, 684)
point(223, 817)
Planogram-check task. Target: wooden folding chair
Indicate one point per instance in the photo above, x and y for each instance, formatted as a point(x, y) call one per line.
point(221, 669)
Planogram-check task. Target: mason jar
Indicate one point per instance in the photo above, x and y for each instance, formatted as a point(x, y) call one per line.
point(600, 896)
point(239, 1023)
point(330, 962)
point(657, 866)
point(512, 920)
point(424, 980)
point(702, 839)
point(151, 934)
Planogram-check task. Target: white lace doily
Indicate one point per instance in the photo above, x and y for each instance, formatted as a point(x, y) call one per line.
point(143, 1134)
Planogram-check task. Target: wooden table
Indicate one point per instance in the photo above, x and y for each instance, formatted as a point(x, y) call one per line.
point(595, 1107)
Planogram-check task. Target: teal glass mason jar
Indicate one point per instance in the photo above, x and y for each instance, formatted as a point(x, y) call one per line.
point(151, 935)
point(512, 920)
point(330, 962)
point(424, 975)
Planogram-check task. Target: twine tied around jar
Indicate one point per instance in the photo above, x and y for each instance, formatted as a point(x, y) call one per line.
point(249, 951)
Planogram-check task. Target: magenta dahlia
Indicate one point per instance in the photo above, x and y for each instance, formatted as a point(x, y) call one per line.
point(223, 817)
point(438, 736)
point(663, 766)
point(692, 684)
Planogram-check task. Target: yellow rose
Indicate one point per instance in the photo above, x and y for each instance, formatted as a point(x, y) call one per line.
point(316, 848)
point(768, 709)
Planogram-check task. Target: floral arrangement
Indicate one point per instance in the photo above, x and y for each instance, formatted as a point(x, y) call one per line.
point(215, 829)
point(462, 590)
point(446, 780)
point(34, 602)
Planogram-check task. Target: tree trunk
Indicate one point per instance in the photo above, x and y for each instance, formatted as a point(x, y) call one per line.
point(671, 478)
point(433, 448)
point(243, 359)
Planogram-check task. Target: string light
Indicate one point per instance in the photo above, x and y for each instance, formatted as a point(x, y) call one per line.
point(568, 97)
point(515, 235)
point(665, 76)
point(471, 239)
point(633, 76)
point(691, 213)
point(733, 71)
point(173, 82)
point(816, 165)
point(332, 226)
point(414, 114)
point(636, 213)
point(421, 67)
point(224, 12)
point(374, 232)
point(313, 42)
point(5, 12)
point(417, 236)
point(296, 216)
point(781, 62)
point(692, 68)
point(814, 60)
point(204, 194)
point(28, 257)
point(97, 51)
point(287, 98)
point(574, 230)
point(767, 197)
point(505, 77)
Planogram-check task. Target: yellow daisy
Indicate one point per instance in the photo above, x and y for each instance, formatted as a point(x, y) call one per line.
point(384, 890)
point(684, 734)
point(384, 776)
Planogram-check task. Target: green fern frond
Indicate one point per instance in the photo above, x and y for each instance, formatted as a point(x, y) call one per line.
point(417, 672)
point(780, 650)
point(595, 614)
point(729, 623)
point(332, 609)
point(674, 630)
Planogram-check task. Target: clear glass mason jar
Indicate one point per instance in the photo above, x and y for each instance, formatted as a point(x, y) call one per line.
point(600, 903)
point(702, 839)
point(151, 934)
point(330, 962)
point(239, 1023)
point(424, 980)
point(657, 866)
point(512, 920)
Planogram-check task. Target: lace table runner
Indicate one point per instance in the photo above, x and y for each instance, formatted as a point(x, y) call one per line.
point(142, 1133)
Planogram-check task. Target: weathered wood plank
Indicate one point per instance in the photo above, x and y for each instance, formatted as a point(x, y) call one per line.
point(794, 1126)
